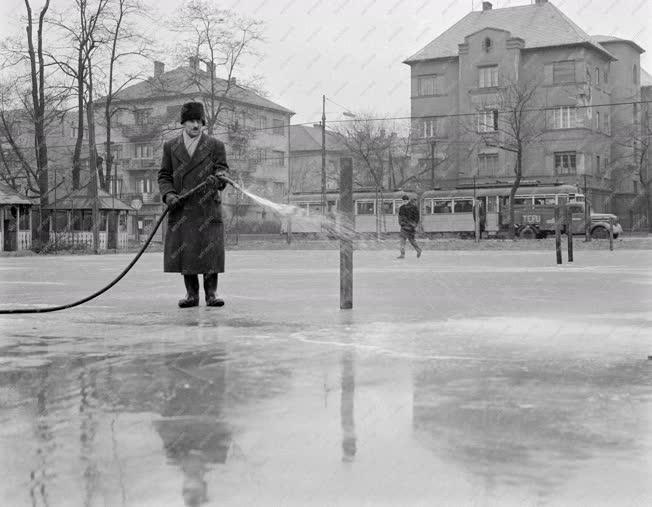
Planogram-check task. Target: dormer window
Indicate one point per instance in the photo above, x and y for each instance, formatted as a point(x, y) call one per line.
point(487, 44)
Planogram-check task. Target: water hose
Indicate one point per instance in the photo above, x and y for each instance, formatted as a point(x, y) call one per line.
point(124, 271)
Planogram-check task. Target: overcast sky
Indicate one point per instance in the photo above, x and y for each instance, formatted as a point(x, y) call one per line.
point(351, 50)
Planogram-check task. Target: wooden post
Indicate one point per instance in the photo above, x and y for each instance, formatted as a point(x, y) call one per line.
point(476, 219)
point(557, 235)
point(569, 232)
point(346, 233)
point(587, 215)
point(611, 234)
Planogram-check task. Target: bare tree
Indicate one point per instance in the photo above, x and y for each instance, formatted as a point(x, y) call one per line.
point(124, 42)
point(511, 123)
point(32, 102)
point(84, 31)
point(369, 142)
point(633, 151)
point(221, 39)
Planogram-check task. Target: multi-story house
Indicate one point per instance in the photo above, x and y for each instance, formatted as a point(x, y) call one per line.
point(306, 154)
point(584, 88)
point(253, 128)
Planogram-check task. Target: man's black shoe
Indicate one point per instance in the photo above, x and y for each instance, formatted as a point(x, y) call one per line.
point(188, 302)
point(214, 301)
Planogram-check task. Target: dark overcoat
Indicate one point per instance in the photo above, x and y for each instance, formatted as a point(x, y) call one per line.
point(194, 240)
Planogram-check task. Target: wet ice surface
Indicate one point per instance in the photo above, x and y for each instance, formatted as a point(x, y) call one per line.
point(463, 378)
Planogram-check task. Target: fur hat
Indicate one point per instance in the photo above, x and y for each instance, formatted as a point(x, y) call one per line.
point(193, 111)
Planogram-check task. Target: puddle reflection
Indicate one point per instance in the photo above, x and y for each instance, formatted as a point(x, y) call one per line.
point(192, 428)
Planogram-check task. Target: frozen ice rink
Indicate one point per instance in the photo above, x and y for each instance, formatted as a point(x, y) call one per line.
point(461, 378)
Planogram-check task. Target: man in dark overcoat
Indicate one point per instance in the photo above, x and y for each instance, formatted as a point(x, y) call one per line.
point(194, 241)
point(408, 220)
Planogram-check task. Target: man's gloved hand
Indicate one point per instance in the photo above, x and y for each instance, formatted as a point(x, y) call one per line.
point(216, 181)
point(173, 201)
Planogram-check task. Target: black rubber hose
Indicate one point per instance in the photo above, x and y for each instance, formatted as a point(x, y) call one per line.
point(117, 279)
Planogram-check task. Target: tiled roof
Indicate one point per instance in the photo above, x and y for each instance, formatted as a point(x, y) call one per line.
point(79, 199)
point(606, 39)
point(182, 82)
point(539, 25)
point(9, 196)
point(306, 138)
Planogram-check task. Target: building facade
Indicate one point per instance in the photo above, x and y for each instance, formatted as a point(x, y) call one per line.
point(253, 129)
point(579, 93)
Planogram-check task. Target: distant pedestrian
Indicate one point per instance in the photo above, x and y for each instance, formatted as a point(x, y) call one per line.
point(194, 240)
point(408, 220)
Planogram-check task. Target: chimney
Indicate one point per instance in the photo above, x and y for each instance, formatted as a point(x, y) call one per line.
point(208, 68)
point(486, 6)
point(159, 68)
point(232, 81)
point(193, 61)
point(541, 1)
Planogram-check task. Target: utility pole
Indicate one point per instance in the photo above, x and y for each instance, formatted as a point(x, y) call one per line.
point(432, 163)
point(289, 219)
point(323, 157)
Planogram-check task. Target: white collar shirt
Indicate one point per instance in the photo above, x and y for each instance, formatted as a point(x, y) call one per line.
point(191, 143)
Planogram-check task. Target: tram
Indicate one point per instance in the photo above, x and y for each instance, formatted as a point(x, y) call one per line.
point(443, 212)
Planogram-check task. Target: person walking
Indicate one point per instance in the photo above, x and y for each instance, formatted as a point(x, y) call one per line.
point(194, 240)
point(408, 220)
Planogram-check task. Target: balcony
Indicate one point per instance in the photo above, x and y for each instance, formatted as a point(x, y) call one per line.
point(140, 164)
point(145, 197)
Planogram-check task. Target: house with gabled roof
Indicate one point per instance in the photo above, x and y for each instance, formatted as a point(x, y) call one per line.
point(306, 153)
point(587, 89)
point(253, 128)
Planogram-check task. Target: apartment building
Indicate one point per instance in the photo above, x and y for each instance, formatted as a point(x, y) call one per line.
point(253, 128)
point(583, 106)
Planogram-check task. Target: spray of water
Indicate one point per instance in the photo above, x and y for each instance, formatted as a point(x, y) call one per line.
point(284, 210)
point(332, 224)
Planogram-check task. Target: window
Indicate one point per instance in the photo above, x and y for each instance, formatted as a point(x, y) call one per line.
point(431, 127)
point(563, 72)
point(635, 74)
point(564, 118)
point(278, 158)
point(565, 162)
point(262, 122)
point(488, 76)
point(279, 188)
point(442, 206)
point(116, 186)
point(143, 116)
point(143, 150)
point(487, 121)
point(364, 207)
point(488, 164)
point(429, 85)
point(278, 127)
point(597, 76)
point(544, 199)
point(75, 131)
point(387, 207)
point(606, 124)
point(597, 163)
point(605, 77)
point(598, 125)
point(144, 185)
point(463, 206)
